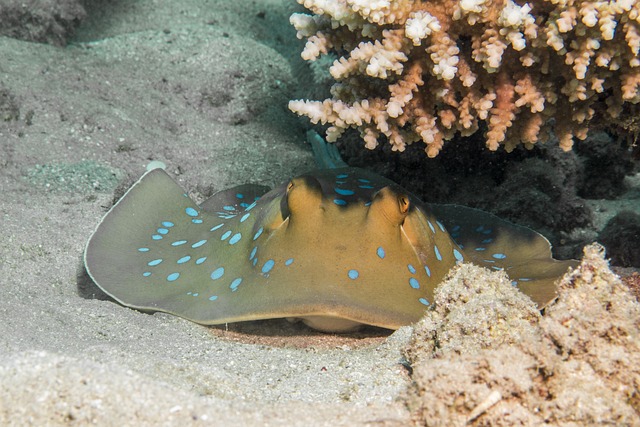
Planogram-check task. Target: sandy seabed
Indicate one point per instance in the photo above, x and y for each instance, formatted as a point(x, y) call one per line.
point(202, 86)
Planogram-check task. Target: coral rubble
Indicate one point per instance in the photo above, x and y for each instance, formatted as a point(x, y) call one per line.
point(576, 365)
point(413, 70)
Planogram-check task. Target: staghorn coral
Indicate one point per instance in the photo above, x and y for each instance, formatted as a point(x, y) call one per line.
point(425, 70)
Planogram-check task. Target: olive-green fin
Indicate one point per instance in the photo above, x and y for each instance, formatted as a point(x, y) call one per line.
point(497, 244)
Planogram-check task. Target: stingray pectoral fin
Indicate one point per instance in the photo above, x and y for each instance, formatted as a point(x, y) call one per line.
point(138, 251)
point(537, 278)
point(234, 199)
point(497, 244)
point(156, 250)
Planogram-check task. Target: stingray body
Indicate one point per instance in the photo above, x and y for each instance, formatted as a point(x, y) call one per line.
point(336, 248)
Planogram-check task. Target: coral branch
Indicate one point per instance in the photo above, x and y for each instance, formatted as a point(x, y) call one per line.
point(412, 70)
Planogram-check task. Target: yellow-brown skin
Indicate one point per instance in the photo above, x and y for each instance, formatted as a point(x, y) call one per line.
point(336, 248)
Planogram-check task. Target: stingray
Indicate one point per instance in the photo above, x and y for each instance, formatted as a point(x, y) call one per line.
point(338, 247)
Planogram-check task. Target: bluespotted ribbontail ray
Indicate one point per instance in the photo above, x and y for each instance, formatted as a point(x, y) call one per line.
point(337, 248)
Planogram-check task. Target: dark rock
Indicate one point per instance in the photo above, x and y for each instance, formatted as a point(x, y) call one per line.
point(43, 21)
point(607, 162)
point(621, 237)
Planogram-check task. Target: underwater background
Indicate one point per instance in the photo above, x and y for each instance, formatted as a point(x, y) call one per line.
point(92, 91)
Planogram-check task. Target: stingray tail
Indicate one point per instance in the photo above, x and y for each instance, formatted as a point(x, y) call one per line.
point(326, 155)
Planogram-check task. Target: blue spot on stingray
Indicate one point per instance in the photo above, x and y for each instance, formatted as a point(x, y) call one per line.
point(368, 204)
point(495, 267)
point(414, 283)
point(438, 256)
point(363, 180)
point(179, 242)
point(253, 252)
point(236, 282)
point(353, 274)
point(191, 212)
point(344, 192)
point(433, 230)
point(217, 273)
point(424, 301)
point(146, 274)
point(255, 261)
point(184, 259)
point(251, 206)
point(167, 224)
point(216, 227)
point(268, 266)
point(173, 277)
point(499, 256)
point(156, 237)
point(226, 235)
point(455, 228)
point(229, 208)
point(196, 294)
point(258, 233)
point(485, 241)
point(244, 205)
point(380, 252)
point(411, 269)
point(162, 231)
point(201, 260)
point(340, 182)
point(458, 255)
point(244, 217)
point(426, 269)
point(239, 195)
point(524, 279)
point(198, 244)
point(481, 249)
point(479, 229)
point(196, 221)
point(235, 239)
point(342, 176)
point(143, 249)
point(155, 262)
point(365, 187)
point(487, 231)
point(339, 202)
point(288, 262)
point(514, 282)
point(213, 297)
point(440, 225)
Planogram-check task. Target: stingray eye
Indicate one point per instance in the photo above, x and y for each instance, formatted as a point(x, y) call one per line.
point(403, 203)
point(303, 195)
point(390, 205)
